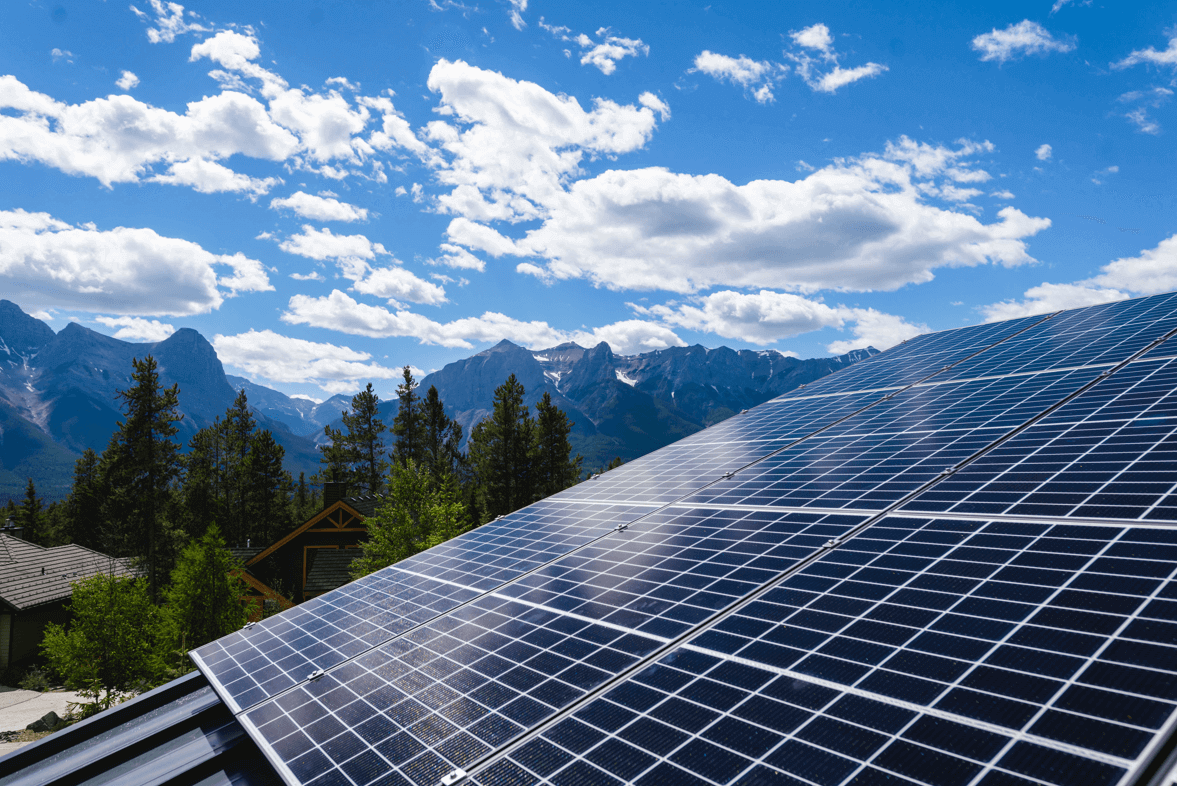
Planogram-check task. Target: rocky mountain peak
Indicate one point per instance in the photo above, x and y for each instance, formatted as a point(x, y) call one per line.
point(21, 334)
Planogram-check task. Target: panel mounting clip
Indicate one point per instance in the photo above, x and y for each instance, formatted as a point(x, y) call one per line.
point(314, 675)
point(622, 527)
point(452, 777)
point(729, 475)
point(248, 625)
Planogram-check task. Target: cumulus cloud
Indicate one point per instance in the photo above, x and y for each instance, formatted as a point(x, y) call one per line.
point(323, 244)
point(352, 253)
point(137, 328)
point(209, 177)
point(1152, 272)
point(279, 358)
point(855, 225)
point(320, 207)
point(604, 52)
point(516, 144)
point(61, 54)
point(1019, 40)
point(816, 61)
point(767, 317)
point(1044, 152)
point(169, 20)
point(45, 262)
point(338, 311)
point(118, 139)
point(876, 329)
point(757, 77)
point(1150, 56)
point(127, 81)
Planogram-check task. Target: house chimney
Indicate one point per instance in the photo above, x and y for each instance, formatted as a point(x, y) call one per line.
point(11, 528)
point(332, 493)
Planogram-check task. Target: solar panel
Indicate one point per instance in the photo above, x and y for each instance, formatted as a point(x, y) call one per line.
point(449, 690)
point(952, 563)
point(937, 650)
point(265, 659)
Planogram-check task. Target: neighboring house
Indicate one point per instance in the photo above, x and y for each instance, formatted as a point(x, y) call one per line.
point(315, 557)
point(35, 585)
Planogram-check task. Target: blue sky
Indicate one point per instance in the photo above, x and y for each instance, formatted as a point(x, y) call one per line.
point(331, 190)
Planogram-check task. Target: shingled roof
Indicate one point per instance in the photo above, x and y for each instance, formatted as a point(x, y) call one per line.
point(331, 569)
point(32, 575)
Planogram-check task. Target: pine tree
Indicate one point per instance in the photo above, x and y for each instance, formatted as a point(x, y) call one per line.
point(554, 469)
point(83, 507)
point(29, 516)
point(144, 462)
point(442, 438)
point(239, 427)
point(408, 426)
point(269, 489)
point(365, 445)
point(501, 452)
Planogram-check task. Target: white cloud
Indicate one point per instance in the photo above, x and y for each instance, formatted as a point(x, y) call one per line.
point(517, 143)
point(127, 81)
point(876, 329)
point(1003, 194)
point(458, 257)
point(822, 72)
point(815, 37)
point(320, 208)
point(209, 177)
point(757, 76)
point(1167, 57)
point(48, 263)
point(1044, 152)
point(1152, 272)
point(137, 328)
point(118, 139)
point(323, 244)
point(279, 358)
point(1059, 4)
point(855, 225)
point(338, 311)
point(61, 54)
point(1019, 40)
point(1145, 100)
point(767, 317)
point(516, 13)
point(605, 54)
point(396, 283)
point(169, 21)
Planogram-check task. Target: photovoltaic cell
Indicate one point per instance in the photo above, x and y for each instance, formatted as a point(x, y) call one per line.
point(1111, 452)
point(935, 650)
point(668, 474)
point(874, 459)
point(436, 698)
point(261, 661)
point(1097, 335)
point(916, 358)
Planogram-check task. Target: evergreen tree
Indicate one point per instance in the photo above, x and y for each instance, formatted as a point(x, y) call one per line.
point(502, 454)
point(30, 517)
point(108, 646)
point(554, 469)
point(408, 426)
point(306, 500)
point(83, 507)
point(203, 601)
point(238, 431)
point(417, 515)
point(442, 438)
point(365, 445)
point(269, 489)
point(144, 461)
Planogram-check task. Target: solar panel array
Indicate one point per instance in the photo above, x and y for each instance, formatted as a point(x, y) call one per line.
point(953, 563)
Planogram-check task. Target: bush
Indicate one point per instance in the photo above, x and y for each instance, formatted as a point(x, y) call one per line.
point(35, 679)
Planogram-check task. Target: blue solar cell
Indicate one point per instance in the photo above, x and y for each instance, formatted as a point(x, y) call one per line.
point(1111, 452)
point(265, 659)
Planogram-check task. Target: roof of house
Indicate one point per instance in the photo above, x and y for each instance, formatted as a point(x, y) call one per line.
point(330, 569)
point(32, 575)
point(365, 504)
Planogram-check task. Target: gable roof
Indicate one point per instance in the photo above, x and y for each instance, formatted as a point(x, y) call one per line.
point(358, 507)
point(32, 575)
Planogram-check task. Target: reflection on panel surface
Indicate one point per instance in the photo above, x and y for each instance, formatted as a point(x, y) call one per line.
point(936, 650)
point(262, 660)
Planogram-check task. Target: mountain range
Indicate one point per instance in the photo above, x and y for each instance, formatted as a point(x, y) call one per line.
point(58, 394)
